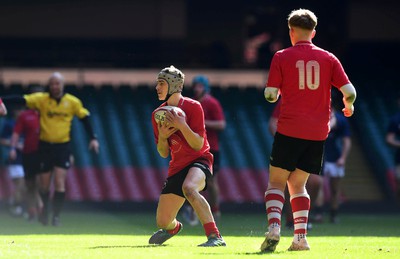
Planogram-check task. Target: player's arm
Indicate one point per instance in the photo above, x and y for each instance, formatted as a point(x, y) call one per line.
point(3, 109)
point(194, 140)
point(162, 143)
point(5, 142)
point(163, 147)
point(391, 139)
point(349, 97)
point(94, 143)
point(345, 150)
point(13, 145)
point(271, 94)
point(176, 121)
point(84, 116)
point(215, 124)
point(164, 132)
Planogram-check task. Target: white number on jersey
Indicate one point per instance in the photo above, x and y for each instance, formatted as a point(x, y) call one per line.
point(306, 73)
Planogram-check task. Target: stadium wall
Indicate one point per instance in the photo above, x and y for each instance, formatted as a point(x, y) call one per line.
point(131, 77)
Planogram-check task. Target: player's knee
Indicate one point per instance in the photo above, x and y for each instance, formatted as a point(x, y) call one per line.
point(277, 185)
point(189, 191)
point(60, 187)
point(59, 184)
point(297, 187)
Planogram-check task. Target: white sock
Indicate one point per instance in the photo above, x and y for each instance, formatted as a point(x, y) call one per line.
point(274, 225)
point(298, 237)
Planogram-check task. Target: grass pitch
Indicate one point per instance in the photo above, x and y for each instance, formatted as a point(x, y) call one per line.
point(100, 234)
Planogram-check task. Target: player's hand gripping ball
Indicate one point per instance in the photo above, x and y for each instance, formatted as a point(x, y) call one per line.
point(159, 114)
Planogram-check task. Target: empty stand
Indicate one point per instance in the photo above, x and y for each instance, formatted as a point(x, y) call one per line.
point(374, 109)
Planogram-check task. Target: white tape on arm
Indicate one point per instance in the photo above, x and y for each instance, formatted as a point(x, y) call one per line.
point(271, 94)
point(349, 93)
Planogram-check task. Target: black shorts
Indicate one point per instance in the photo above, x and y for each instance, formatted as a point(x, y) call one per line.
point(54, 155)
point(397, 157)
point(290, 153)
point(216, 163)
point(31, 164)
point(174, 183)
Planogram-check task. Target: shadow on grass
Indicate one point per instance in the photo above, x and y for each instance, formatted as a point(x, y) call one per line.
point(250, 253)
point(112, 247)
point(261, 253)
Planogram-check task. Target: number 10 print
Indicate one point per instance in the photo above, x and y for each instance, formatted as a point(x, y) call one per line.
point(308, 74)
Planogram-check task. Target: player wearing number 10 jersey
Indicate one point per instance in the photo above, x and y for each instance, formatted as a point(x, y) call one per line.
point(303, 75)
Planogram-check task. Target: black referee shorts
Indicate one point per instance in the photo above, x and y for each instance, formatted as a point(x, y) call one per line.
point(397, 157)
point(31, 164)
point(290, 153)
point(54, 155)
point(174, 183)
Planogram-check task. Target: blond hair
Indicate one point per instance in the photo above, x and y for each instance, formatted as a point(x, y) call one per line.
point(302, 18)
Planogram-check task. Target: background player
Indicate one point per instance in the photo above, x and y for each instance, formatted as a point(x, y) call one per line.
point(393, 139)
point(337, 148)
point(15, 170)
point(57, 110)
point(215, 123)
point(28, 127)
point(184, 138)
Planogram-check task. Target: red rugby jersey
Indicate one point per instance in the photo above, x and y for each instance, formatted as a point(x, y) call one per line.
point(305, 73)
point(212, 111)
point(181, 153)
point(28, 125)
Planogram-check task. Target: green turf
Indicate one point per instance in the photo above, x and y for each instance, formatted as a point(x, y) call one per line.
point(125, 235)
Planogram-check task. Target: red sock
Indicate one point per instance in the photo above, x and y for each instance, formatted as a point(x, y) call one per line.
point(176, 229)
point(300, 206)
point(274, 200)
point(211, 228)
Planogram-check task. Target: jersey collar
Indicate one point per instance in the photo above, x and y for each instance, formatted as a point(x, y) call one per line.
point(58, 100)
point(303, 42)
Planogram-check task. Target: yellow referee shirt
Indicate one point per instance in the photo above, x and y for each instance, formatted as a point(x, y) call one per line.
point(56, 116)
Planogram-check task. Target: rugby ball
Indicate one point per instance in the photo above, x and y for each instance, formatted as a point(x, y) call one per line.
point(159, 113)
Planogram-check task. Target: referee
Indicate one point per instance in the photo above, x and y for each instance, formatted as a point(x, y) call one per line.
point(57, 109)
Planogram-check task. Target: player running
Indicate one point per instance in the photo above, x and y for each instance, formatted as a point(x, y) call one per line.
point(303, 75)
